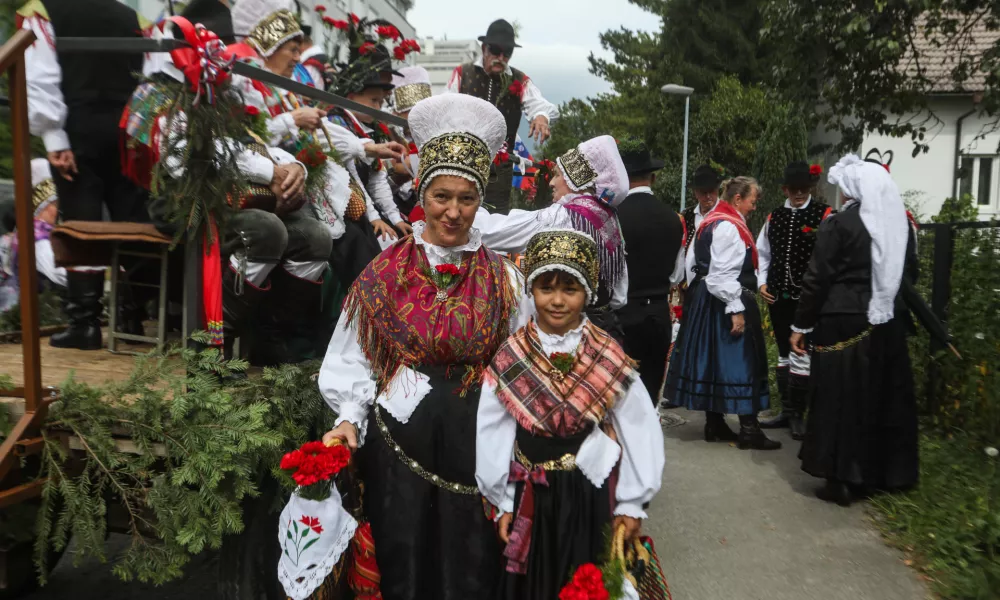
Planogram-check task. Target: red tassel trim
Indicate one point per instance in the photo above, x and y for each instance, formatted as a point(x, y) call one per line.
point(212, 285)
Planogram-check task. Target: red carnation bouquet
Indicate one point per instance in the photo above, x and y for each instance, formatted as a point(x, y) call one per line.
point(446, 273)
point(516, 89)
point(313, 466)
point(587, 584)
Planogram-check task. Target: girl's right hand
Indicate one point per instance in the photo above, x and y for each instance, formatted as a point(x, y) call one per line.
point(739, 324)
point(503, 527)
point(345, 432)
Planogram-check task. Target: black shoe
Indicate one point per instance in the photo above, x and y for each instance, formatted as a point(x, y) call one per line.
point(835, 492)
point(716, 429)
point(664, 405)
point(83, 308)
point(798, 426)
point(752, 438)
point(779, 422)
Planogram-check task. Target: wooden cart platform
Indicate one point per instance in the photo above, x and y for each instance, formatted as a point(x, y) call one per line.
point(89, 366)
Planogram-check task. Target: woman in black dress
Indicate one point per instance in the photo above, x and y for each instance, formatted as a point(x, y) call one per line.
point(862, 432)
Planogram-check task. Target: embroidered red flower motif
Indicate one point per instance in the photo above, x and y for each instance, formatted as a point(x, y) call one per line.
point(388, 32)
point(252, 111)
point(807, 229)
point(354, 18)
point(312, 523)
point(516, 88)
point(815, 170)
point(320, 8)
point(447, 269)
point(366, 48)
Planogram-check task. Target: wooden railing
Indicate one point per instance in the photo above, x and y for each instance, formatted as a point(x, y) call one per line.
point(25, 437)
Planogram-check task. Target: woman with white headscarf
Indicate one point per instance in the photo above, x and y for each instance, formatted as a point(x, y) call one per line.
point(862, 432)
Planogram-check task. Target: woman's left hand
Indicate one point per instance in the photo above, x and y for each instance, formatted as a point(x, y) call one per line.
point(404, 227)
point(798, 342)
point(739, 324)
point(631, 524)
point(382, 229)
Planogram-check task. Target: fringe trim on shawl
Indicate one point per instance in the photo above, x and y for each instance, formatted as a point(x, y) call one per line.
point(612, 266)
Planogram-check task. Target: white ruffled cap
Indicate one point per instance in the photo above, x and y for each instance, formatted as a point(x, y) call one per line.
point(884, 216)
point(611, 184)
point(410, 75)
point(457, 113)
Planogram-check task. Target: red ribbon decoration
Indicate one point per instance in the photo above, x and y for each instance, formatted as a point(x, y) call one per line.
point(207, 63)
point(517, 548)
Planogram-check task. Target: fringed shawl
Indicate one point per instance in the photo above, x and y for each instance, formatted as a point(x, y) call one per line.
point(600, 221)
point(395, 307)
point(544, 400)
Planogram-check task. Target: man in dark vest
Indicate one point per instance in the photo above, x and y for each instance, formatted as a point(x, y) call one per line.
point(784, 246)
point(654, 236)
point(513, 93)
point(705, 185)
point(74, 103)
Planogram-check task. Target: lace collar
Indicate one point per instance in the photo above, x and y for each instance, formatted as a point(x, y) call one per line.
point(473, 245)
point(568, 342)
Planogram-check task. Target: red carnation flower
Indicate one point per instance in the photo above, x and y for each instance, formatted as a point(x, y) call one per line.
point(320, 8)
point(354, 18)
point(516, 88)
point(252, 111)
point(366, 48)
point(807, 229)
point(399, 53)
point(341, 25)
point(502, 157)
point(573, 592)
point(815, 170)
point(384, 129)
point(413, 148)
point(315, 462)
point(447, 269)
point(678, 312)
point(388, 32)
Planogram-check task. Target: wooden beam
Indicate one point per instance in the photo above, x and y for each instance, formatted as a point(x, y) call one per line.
point(15, 495)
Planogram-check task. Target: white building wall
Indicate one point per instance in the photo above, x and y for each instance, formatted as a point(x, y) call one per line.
point(440, 57)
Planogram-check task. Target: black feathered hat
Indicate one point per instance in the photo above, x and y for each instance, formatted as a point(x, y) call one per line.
point(501, 33)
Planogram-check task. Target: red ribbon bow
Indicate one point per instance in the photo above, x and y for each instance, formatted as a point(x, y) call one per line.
point(206, 63)
point(517, 548)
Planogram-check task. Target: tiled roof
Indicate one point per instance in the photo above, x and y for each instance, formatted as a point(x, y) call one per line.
point(939, 55)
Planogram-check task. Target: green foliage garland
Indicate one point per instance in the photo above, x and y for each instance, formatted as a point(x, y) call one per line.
point(201, 450)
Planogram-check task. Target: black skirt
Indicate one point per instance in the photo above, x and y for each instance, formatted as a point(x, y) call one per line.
point(862, 426)
point(353, 251)
point(571, 526)
point(429, 542)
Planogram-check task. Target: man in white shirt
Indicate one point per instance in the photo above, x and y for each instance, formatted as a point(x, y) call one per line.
point(75, 101)
point(705, 186)
point(511, 91)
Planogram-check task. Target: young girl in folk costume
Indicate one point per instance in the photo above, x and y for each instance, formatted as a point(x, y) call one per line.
point(553, 397)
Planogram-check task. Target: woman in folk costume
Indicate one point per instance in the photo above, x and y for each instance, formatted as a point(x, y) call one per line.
point(403, 368)
point(590, 183)
point(719, 362)
point(862, 429)
point(553, 396)
point(46, 209)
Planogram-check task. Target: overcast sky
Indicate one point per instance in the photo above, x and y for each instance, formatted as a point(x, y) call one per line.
point(556, 35)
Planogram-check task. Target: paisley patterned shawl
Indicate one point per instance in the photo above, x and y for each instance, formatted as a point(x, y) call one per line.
point(400, 322)
point(600, 221)
point(560, 406)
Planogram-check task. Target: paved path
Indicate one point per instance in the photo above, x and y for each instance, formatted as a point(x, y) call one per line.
point(744, 525)
point(729, 525)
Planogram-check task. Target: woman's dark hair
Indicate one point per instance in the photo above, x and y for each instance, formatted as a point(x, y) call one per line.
point(553, 278)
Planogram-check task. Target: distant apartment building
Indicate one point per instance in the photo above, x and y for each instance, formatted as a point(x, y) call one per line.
point(440, 57)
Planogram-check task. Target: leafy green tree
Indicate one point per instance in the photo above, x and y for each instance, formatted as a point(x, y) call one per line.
point(865, 66)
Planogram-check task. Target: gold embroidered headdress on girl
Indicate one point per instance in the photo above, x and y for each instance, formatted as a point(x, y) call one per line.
point(267, 23)
point(457, 135)
point(566, 250)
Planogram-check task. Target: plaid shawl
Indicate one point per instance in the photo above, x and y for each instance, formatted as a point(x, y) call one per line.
point(556, 405)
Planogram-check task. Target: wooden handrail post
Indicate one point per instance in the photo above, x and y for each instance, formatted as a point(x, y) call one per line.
point(27, 272)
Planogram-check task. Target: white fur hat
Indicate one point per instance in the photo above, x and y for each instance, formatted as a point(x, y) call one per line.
point(43, 188)
point(596, 164)
point(457, 134)
point(267, 24)
point(412, 85)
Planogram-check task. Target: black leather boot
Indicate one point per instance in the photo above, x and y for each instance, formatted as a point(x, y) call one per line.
point(782, 420)
point(716, 429)
point(798, 394)
point(240, 303)
point(83, 309)
point(288, 330)
point(835, 492)
point(752, 438)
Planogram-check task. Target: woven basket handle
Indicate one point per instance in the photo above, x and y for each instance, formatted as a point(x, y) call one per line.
point(633, 559)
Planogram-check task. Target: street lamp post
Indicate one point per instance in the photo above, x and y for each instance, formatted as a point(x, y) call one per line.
point(680, 90)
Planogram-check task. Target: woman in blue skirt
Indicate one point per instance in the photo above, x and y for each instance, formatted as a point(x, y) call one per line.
point(720, 361)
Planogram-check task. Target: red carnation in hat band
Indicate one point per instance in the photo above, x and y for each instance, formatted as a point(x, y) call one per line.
point(815, 170)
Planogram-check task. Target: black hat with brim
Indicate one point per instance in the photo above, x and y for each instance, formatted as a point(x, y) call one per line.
point(501, 33)
point(706, 177)
point(799, 175)
point(639, 161)
point(214, 15)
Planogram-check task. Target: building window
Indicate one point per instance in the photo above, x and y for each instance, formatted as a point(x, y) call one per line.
point(978, 177)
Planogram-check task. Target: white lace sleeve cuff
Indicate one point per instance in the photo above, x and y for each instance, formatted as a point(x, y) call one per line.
point(55, 140)
point(800, 330)
point(736, 306)
point(355, 414)
point(630, 509)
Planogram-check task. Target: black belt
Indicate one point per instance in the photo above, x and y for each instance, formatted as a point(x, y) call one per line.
point(647, 300)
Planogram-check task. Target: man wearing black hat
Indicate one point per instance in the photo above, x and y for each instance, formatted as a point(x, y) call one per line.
point(511, 91)
point(74, 103)
point(705, 185)
point(784, 246)
point(654, 238)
